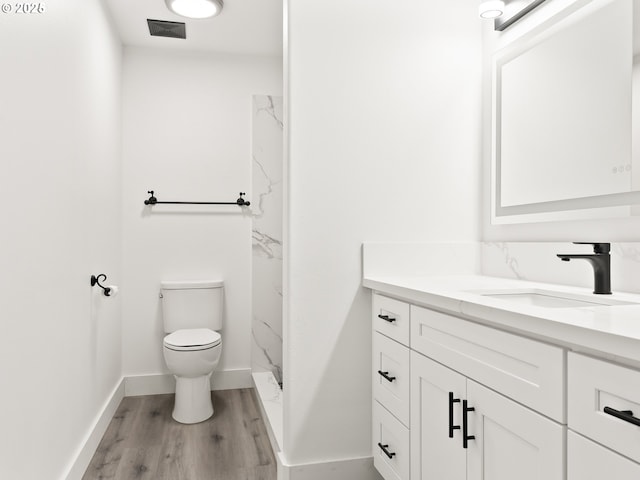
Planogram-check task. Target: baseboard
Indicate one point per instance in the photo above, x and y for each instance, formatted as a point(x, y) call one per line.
point(156, 384)
point(348, 469)
point(91, 441)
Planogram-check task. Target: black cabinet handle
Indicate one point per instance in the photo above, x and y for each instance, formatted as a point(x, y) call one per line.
point(386, 452)
point(386, 375)
point(452, 427)
point(387, 318)
point(465, 424)
point(626, 415)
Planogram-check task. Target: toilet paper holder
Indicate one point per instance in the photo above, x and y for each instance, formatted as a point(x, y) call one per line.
point(95, 280)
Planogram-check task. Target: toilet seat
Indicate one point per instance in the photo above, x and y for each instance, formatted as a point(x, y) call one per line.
point(192, 339)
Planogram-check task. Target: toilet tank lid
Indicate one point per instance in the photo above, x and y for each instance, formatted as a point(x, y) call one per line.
point(188, 285)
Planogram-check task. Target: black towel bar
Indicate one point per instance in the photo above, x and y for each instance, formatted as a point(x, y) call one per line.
point(241, 202)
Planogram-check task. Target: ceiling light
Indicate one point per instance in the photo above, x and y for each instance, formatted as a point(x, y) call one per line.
point(195, 8)
point(491, 8)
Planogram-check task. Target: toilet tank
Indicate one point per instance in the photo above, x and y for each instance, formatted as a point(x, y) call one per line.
point(189, 304)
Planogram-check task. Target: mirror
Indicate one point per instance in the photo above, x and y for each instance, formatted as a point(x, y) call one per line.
point(562, 116)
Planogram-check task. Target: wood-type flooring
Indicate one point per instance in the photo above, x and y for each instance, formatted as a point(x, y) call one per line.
point(143, 442)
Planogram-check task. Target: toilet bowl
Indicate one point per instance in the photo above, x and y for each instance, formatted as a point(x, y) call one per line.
point(191, 356)
point(192, 316)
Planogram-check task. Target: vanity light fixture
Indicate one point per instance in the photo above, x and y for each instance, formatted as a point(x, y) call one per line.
point(491, 8)
point(195, 8)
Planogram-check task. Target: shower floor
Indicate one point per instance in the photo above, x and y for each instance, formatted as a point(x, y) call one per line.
point(269, 395)
point(144, 442)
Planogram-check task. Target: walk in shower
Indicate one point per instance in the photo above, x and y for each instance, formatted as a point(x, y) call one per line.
point(266, 329)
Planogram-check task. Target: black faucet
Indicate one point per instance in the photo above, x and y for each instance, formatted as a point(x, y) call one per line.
point(600, 260)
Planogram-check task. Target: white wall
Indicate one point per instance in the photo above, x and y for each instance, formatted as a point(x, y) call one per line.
point(384, 145)
point(187, 135)
point(60, 195)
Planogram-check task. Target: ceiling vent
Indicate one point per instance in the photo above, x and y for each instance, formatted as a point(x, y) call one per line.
point(162, 28)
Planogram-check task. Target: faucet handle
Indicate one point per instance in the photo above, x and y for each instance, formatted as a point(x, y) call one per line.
point(597, 247)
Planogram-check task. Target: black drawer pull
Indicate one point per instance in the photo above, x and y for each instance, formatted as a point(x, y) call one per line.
point(386, 375)
point(386, 452)
point(452, 427)
point(387, 318)
point(626, 415)
point(465, 426)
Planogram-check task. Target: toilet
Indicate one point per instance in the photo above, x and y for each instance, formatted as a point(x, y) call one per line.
point(192, 314)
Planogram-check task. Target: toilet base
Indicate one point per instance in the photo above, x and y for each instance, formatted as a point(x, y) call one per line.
point(193, 399)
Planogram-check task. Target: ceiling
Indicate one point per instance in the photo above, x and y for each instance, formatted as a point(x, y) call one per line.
point(245, 27)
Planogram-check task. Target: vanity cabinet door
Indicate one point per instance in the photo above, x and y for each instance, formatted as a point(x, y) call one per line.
point(436, 436)
point(511, 441)
point(505, 440)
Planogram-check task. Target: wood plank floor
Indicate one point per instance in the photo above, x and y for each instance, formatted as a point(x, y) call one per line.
point(143, 442)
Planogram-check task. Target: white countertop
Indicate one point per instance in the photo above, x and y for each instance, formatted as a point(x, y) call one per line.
point(610, 331)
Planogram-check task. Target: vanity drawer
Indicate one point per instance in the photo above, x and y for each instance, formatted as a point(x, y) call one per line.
point(589, 461)
point(391, 318)
point(390, 445)
point(391, 376)
point(525, 370)
point(594, 385)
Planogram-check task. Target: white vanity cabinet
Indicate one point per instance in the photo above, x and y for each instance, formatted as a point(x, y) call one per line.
point(437, 377)
point(542, 393)
point(462, 430)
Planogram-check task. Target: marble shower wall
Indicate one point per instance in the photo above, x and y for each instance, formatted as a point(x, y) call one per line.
point(266, 203)
point(537, 261)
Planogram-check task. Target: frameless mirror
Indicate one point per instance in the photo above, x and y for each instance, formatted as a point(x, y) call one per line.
point(562, 116)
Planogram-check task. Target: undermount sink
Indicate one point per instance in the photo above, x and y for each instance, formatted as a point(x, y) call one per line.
point(550, 299)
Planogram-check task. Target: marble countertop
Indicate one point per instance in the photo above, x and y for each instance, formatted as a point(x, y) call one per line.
point(609, 331)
